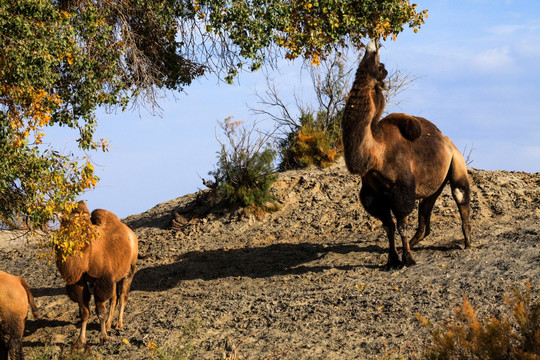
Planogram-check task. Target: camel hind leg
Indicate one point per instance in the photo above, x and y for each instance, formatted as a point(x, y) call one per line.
point(112, 306)
point(3, 348)
point(459, 182)
point(15, 348)
point(3, 345)
point(123, 296)
point(425, 208)
point(461, 196)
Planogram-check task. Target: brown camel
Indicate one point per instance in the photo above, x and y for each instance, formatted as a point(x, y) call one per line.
point(400, 158)
point(15, 295)
point(106, 262)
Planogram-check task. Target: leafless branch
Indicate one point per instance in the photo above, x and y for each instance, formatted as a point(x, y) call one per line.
point(467, 152)
point(396, 83)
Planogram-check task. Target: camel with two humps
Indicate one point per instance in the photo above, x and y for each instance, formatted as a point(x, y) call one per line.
point(107, 263)
point(15, 296)
point(401, 159)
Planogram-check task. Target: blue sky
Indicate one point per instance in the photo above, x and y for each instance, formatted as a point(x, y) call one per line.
point(478, 63)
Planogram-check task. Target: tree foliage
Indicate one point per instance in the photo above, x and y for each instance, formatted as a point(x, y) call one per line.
point(61, 60)
point(308, 28)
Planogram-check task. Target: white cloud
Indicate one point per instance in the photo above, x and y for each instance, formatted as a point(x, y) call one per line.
point(505, 30)
point(493, 59)
point(532, 152)
point(529, 48)
point(515, 29)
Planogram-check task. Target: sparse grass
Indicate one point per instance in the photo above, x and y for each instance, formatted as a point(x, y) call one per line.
point(181, 348)
point(468, 337)
point(64, 352)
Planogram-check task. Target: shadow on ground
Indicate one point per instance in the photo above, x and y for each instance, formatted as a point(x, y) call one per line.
point(257, 262)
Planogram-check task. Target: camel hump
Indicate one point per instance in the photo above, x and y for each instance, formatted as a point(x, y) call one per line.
point(411, 129)
point(101, 217)
point(409, 126)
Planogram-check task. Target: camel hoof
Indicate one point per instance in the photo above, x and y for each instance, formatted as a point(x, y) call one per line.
point(80, 343)
point(83, 351)
point(393, 263)
point(408, 260)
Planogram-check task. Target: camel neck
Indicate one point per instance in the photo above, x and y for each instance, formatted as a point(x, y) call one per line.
point(70, 268)
point(360, 127)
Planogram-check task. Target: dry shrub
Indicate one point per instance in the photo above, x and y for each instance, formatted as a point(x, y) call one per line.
point(468, 337)
point(315, 147)
point(245, 171)
point(315, 142)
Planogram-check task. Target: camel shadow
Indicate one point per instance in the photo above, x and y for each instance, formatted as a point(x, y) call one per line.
point(452, 245)
point(256, 262)
point(32, 325)
point(48, 291)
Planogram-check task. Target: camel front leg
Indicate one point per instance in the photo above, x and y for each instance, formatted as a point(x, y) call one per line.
point(101, 310)
point(103, 291)
point(80, 293)
point(407, 259)
point(377, 205)
point(393, 257)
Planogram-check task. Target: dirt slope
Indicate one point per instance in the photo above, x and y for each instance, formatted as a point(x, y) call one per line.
point(306, 282)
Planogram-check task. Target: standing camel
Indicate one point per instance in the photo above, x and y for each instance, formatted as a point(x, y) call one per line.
point(106, 262)
point(15, 296)
point(400, 158)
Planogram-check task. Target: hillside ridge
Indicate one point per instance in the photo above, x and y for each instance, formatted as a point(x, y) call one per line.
point(304, 282)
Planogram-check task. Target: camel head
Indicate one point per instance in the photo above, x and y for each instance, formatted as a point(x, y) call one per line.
point(370, 67)
point(80, 210)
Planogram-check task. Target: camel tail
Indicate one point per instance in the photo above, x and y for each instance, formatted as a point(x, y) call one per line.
point(142, 257)
point(33, 306)
point(459, 167)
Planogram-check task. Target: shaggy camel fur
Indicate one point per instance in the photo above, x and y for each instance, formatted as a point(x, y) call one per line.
point(15, 295)
point(107, 262)
point(400, 158)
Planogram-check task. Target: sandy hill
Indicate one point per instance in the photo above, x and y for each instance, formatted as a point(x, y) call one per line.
point(306, 282)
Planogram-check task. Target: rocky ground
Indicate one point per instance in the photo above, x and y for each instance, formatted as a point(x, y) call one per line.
point(305, 282)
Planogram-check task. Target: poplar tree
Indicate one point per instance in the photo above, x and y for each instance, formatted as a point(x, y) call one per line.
point(61, 60)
